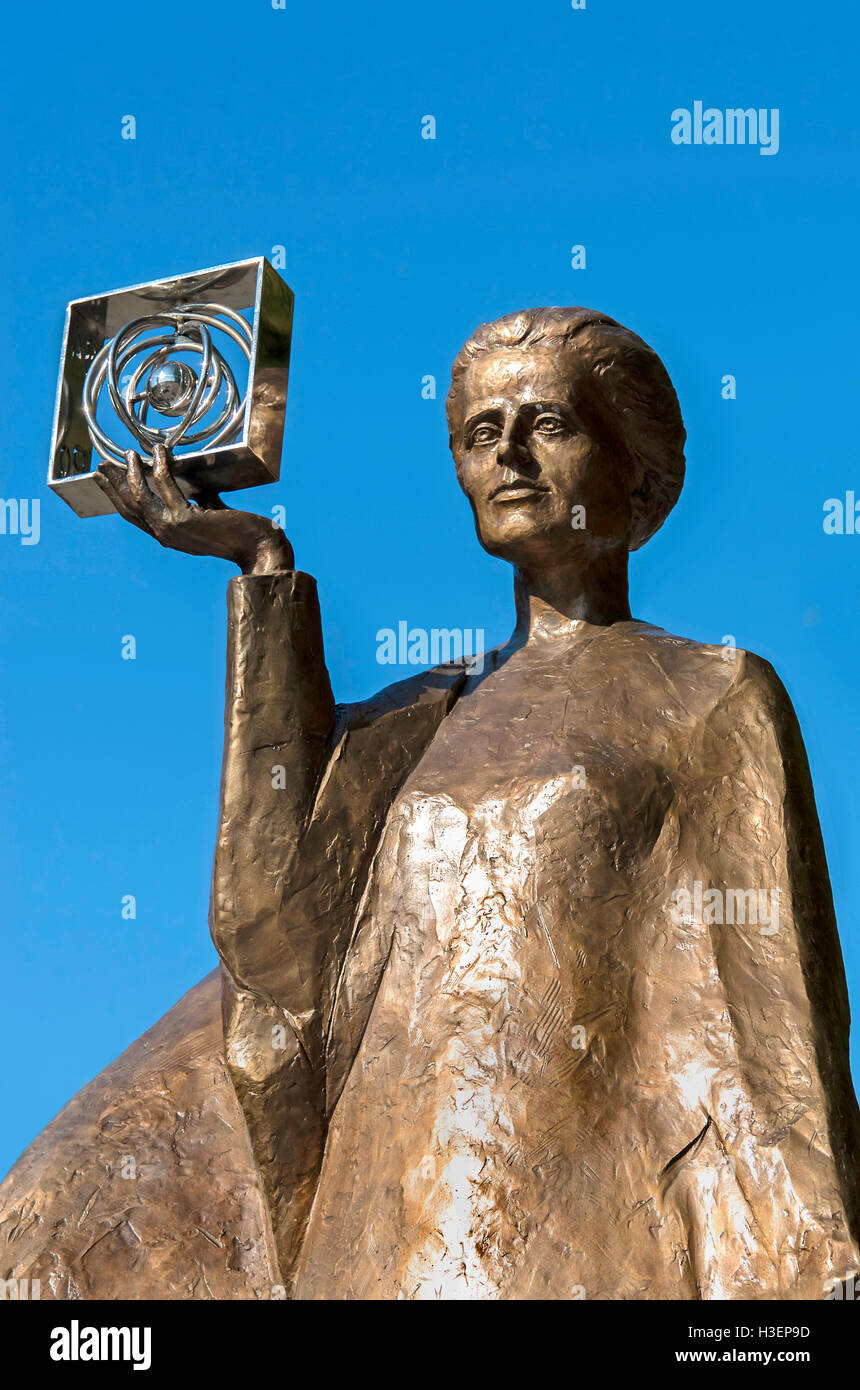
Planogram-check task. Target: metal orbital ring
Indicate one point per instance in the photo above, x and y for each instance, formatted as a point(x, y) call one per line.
point(160, 381)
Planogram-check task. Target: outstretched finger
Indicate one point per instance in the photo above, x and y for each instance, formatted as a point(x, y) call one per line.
point(145, 501)
point(163, 482)
point(111, 479)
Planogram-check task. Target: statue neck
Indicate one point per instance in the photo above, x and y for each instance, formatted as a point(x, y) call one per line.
point(555, 604)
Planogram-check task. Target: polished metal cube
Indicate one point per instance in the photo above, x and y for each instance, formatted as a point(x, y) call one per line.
point(253, 454)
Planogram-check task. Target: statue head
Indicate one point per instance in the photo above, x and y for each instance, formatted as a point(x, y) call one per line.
point(567, 435)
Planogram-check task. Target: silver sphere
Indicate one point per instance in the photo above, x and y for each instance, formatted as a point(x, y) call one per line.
point(170, 387)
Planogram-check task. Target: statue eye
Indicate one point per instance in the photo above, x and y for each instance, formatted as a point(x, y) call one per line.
point(549, 423)
point(483, 434)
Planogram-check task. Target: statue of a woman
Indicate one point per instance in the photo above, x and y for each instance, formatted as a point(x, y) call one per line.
point(532, 987)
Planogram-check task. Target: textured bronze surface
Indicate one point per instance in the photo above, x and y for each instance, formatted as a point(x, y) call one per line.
point(187, 1219)
point(532, 986)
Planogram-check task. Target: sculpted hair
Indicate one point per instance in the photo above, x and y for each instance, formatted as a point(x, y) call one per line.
point(627, 395)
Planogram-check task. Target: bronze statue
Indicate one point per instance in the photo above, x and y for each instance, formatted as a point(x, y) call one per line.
point(531, 980)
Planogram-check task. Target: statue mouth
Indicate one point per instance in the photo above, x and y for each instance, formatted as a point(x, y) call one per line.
point(517, 492)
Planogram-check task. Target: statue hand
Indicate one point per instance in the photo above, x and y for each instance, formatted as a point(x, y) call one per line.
point(150, 499)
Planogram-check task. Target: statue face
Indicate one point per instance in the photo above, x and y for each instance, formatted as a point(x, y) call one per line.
point(528, 459)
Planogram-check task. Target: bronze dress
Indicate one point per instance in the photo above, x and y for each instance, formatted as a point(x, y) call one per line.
point(479, 1051)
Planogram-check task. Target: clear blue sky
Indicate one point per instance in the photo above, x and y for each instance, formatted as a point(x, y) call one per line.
point(301, 127)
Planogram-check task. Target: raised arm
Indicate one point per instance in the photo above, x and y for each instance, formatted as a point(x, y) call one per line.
point(304, 795)
point(279, 722)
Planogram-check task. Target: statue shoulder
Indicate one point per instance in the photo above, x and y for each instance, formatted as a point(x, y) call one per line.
point(713, 672)
point(438, 687)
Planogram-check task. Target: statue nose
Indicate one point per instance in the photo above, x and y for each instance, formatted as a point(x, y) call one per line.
point(508, 445)
point(512, 451)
